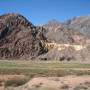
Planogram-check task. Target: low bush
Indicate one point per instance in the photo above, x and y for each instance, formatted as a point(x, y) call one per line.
point(15, 83)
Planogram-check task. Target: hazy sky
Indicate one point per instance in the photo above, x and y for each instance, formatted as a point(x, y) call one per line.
point(40, 11)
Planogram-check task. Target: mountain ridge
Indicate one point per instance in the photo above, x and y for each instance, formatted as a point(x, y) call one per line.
point(19, 38)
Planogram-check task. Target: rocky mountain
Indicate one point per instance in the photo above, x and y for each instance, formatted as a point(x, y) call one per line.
point(81, 23)
point(62, 35)
point(57, 32)
point(19, 38)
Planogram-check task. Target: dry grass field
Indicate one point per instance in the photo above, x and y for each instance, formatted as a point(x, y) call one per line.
point(15, 75)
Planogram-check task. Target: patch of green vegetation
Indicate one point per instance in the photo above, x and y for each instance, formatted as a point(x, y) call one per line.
point(66, 87)
point(43, 68)
point(15, 83)
point(46, 88)
point(40, 64)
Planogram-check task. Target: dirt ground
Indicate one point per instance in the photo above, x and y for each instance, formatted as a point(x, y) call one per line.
point(4, 78)
point(57, 83)
point(70, 82)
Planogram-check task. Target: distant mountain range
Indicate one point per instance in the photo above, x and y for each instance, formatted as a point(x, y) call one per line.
point(81, 24)
point(62, 33)
point(19, 38)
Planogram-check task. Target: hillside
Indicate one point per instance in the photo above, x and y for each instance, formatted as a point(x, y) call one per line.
point(81, 23)
point(19, 38)
point(60, 33)
point(65, 43)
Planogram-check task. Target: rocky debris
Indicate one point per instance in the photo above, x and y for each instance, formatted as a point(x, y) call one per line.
point(67, 54)
point(19, 38)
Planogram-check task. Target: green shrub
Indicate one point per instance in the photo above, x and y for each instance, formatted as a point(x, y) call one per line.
point(81, 87)
point(65, 87)
point(15, 83)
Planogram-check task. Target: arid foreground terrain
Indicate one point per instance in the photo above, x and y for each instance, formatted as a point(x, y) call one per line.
point(43, 75)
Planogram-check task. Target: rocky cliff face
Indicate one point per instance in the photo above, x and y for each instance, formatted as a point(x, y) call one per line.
point(81, 23)
point(19, 38)
point(57, 32)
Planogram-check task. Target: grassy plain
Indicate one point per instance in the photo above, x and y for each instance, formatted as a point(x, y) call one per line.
point(31, 69)
point(43, 68)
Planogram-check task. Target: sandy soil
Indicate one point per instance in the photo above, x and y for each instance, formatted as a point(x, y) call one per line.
point(55, 83)
point(9, 77)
